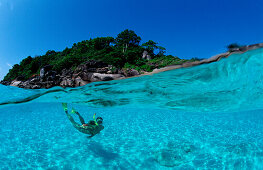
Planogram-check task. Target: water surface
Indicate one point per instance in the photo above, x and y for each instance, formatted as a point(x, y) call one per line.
point(208, 116)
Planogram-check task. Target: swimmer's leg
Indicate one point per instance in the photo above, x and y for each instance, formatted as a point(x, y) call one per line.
point(80, 117)
point(71, 119)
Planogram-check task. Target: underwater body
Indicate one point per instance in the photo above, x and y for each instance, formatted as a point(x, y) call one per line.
point(204, 117)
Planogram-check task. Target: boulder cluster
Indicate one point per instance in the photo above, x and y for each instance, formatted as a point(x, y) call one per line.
point(90, 71)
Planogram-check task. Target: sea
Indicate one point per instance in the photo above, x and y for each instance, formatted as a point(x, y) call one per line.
point(203, 117)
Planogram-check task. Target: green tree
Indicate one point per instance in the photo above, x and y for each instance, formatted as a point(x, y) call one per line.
point(66, 51)
point(26, 61)
point(126, 39)
point(13, 73)
point(102, 42)
point(150, 46)
point(161, 51)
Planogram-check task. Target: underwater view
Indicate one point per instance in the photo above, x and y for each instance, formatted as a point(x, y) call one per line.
point(204, 117)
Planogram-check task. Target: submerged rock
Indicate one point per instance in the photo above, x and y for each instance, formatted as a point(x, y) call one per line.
point(168, 158)
point(175, 154)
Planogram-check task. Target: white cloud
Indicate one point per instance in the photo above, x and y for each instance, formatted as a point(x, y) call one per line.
point(9, 65)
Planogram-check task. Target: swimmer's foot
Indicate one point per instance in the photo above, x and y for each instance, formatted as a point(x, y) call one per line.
point(89, 137)
point(65, 106)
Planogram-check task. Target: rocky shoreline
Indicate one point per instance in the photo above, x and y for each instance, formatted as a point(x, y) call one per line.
point(93, 71)
point(90, 71)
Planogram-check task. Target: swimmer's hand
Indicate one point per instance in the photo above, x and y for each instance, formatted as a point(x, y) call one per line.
point(65, 106)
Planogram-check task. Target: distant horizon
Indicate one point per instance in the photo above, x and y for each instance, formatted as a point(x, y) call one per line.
point(186, 29)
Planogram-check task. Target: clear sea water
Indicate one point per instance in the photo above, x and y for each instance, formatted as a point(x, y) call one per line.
point(204, 117)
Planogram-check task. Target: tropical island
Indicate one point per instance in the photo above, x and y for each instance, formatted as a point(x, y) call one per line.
point(98, 59)
point(101, 59)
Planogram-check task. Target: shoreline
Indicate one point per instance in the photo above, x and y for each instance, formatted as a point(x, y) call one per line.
point(212, 59)
point(98, 77)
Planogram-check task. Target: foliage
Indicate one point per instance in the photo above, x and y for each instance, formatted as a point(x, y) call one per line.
point(126, 39)
point(232, 46)
point(124, 51)
point(151, 47)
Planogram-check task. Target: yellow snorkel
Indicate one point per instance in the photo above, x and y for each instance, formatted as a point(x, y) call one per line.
point(94, 118)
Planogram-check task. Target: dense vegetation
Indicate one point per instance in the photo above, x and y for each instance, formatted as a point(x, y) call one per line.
point(124, 51)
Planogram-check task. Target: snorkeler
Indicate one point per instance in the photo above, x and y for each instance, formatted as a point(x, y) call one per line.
point(92, 128)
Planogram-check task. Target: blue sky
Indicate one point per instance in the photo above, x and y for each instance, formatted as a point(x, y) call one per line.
point(187, 28)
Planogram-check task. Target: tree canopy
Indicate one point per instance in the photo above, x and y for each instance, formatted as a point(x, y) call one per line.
point(127, 38)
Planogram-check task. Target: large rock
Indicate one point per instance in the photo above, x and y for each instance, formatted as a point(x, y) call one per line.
point(15, 83)
point(67, 83)
point(130, 72)
point(6, 83)
point(35, 80)
point(134, 72)
point(36, 87)
point(51, 75)
point(49, 84)
point(80, 82)
point(106, 77)
point(86, 76)
point(25, 85)
point(66, 72)
point(145, 55)
point(44, 70)
point(90, 66)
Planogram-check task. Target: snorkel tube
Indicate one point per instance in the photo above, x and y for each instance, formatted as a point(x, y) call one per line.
point(94, 118)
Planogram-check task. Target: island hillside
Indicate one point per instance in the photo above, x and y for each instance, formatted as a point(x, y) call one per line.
point(102, 59)
point(98, 59)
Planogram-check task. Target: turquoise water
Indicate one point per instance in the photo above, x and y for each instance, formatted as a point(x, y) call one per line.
point(204, 117)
